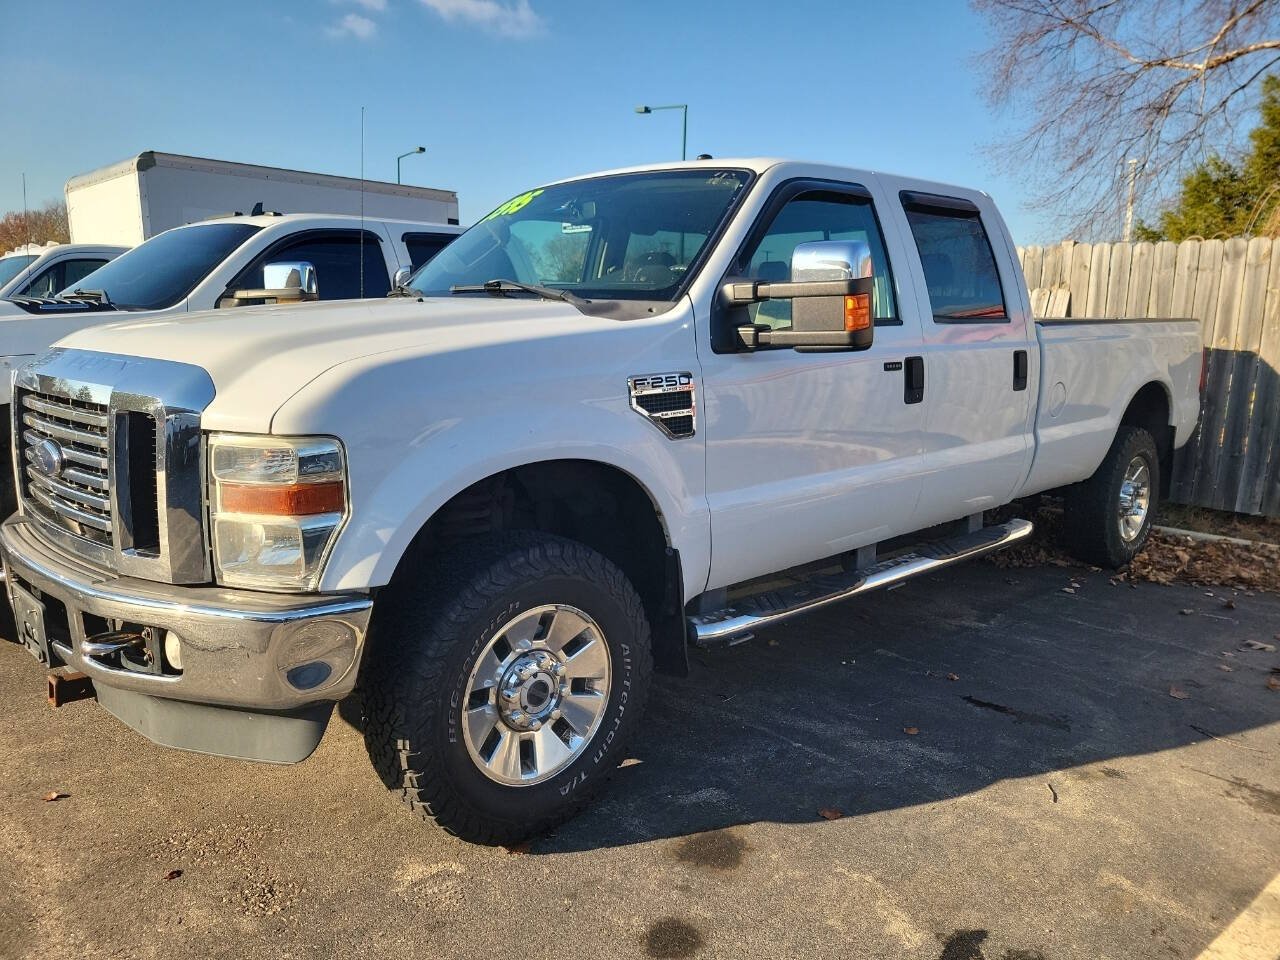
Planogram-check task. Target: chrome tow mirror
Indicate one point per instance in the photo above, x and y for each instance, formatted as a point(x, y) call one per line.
point(831, 290)
point(289, 281)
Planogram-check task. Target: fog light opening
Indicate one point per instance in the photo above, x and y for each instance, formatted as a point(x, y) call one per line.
point(173, 650)
point(317, 652)
point(308, 676)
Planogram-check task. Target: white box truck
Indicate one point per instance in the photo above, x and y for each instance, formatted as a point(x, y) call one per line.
point(131, 201)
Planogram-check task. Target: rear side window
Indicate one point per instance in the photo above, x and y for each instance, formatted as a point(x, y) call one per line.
point(959, 264)
point(423, 246)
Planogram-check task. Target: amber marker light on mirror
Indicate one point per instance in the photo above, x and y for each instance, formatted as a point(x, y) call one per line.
point(857, 312)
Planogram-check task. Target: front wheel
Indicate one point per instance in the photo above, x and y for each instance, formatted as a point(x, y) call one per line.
point(503, 684)
point(1109, 516)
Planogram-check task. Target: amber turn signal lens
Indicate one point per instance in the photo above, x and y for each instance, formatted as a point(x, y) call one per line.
point(283, 500)
point(857, 312)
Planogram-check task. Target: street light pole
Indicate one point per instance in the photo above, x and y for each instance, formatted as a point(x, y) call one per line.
point(408, 153)
point(684, 126)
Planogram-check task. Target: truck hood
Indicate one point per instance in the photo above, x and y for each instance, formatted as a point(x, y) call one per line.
point(258, 357)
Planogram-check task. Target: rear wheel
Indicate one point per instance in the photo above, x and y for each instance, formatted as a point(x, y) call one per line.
point(501, 686)
point(1109, 515)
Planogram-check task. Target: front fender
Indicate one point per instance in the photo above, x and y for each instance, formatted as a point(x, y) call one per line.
point(420, 429)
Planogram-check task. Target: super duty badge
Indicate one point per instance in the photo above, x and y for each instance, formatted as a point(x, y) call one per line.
point(666, 400)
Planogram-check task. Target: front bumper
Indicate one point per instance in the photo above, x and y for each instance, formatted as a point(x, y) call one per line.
point(240, 648)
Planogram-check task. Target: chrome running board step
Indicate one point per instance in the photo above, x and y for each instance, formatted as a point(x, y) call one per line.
point(761, 610)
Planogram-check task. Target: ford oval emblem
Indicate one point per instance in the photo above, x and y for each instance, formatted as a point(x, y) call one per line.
point(46, 458)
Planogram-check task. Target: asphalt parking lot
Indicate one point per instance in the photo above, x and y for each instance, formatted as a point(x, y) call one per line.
point(1093, 774)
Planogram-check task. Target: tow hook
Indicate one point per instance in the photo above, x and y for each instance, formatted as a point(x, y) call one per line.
point(105, 644)
point(67, 687)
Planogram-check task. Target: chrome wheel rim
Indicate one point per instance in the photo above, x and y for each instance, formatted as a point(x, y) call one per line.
point(1135, 499)
point(536, 695)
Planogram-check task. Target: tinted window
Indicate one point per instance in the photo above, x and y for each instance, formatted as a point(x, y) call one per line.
point(812, 217)
point(959, 266)
point(423, 246)
point(10, 267)
point(629, 236)
point(59, 276)
point(163, 270)
point(45, 283)
point(336, 257)
point(77, 270)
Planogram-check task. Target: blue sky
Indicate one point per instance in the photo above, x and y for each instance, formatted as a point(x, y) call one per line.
point(504, 94)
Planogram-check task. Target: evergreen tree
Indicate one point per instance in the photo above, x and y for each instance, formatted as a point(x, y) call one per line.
point(1222, 199)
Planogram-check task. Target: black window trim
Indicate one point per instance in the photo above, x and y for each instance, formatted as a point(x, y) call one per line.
point(724, 340)
point(317, 233)
point(957, 207)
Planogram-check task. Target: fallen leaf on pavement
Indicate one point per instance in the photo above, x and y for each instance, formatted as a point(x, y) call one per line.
point(1228, 604)
point(1068, 590)
point(830, 813)
point(1256, 645)
point(910, 731)
point(1186, 612)
point(1224, 668)
point(55, 795)
point(521, 847)
point(173, 875)
point(1178, 694)
point(1273, 682)
point(952, 676)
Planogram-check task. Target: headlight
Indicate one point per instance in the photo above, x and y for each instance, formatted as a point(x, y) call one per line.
point(277, 504)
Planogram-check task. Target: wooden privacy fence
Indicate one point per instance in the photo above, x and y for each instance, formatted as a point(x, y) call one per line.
point(1232, 287)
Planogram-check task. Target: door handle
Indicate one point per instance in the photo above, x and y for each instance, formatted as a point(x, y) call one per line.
point(913, 380)
point(1019, 369)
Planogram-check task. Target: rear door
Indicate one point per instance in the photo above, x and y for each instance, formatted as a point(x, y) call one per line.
point(809, 454)
point(980, 351)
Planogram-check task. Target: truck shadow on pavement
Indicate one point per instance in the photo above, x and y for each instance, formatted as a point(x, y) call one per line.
point(932, 692)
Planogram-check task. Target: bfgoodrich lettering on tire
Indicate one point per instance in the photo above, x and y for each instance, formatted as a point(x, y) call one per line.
point(503, 682)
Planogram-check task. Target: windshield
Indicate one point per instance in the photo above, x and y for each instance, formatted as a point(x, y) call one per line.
point(631, 236)
point(10, 267)
point(160, 272)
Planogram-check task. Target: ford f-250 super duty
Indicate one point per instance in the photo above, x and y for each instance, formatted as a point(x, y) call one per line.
point(621, 414)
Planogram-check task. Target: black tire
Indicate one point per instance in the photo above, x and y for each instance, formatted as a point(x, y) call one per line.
point(1092, 518)
point(430, 627)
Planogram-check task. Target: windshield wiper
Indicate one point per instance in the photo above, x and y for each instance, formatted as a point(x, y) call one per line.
point(501, 287)
point(96, 296)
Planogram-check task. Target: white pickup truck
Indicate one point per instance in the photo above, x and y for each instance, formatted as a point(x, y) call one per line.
point(623, 413)
point(217, 263)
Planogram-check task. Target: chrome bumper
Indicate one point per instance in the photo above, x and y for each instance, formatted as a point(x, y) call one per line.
point(238, 646)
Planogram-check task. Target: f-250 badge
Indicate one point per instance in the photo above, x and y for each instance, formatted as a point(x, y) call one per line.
point(667, 401)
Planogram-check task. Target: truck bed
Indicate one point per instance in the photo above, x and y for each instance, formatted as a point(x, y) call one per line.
point(1078, 368)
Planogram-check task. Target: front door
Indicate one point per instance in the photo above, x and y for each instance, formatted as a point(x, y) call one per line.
point(809, 454)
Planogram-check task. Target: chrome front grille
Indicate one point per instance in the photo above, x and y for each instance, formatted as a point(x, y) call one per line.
point(64, 455)
point(109, 460)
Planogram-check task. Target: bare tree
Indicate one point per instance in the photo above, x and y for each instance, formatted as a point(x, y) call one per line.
point(34, 226)
point(1102, 82)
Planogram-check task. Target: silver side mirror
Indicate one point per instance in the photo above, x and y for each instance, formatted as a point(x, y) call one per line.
point(831, 260)
point(289, 281)
point(402, 277)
